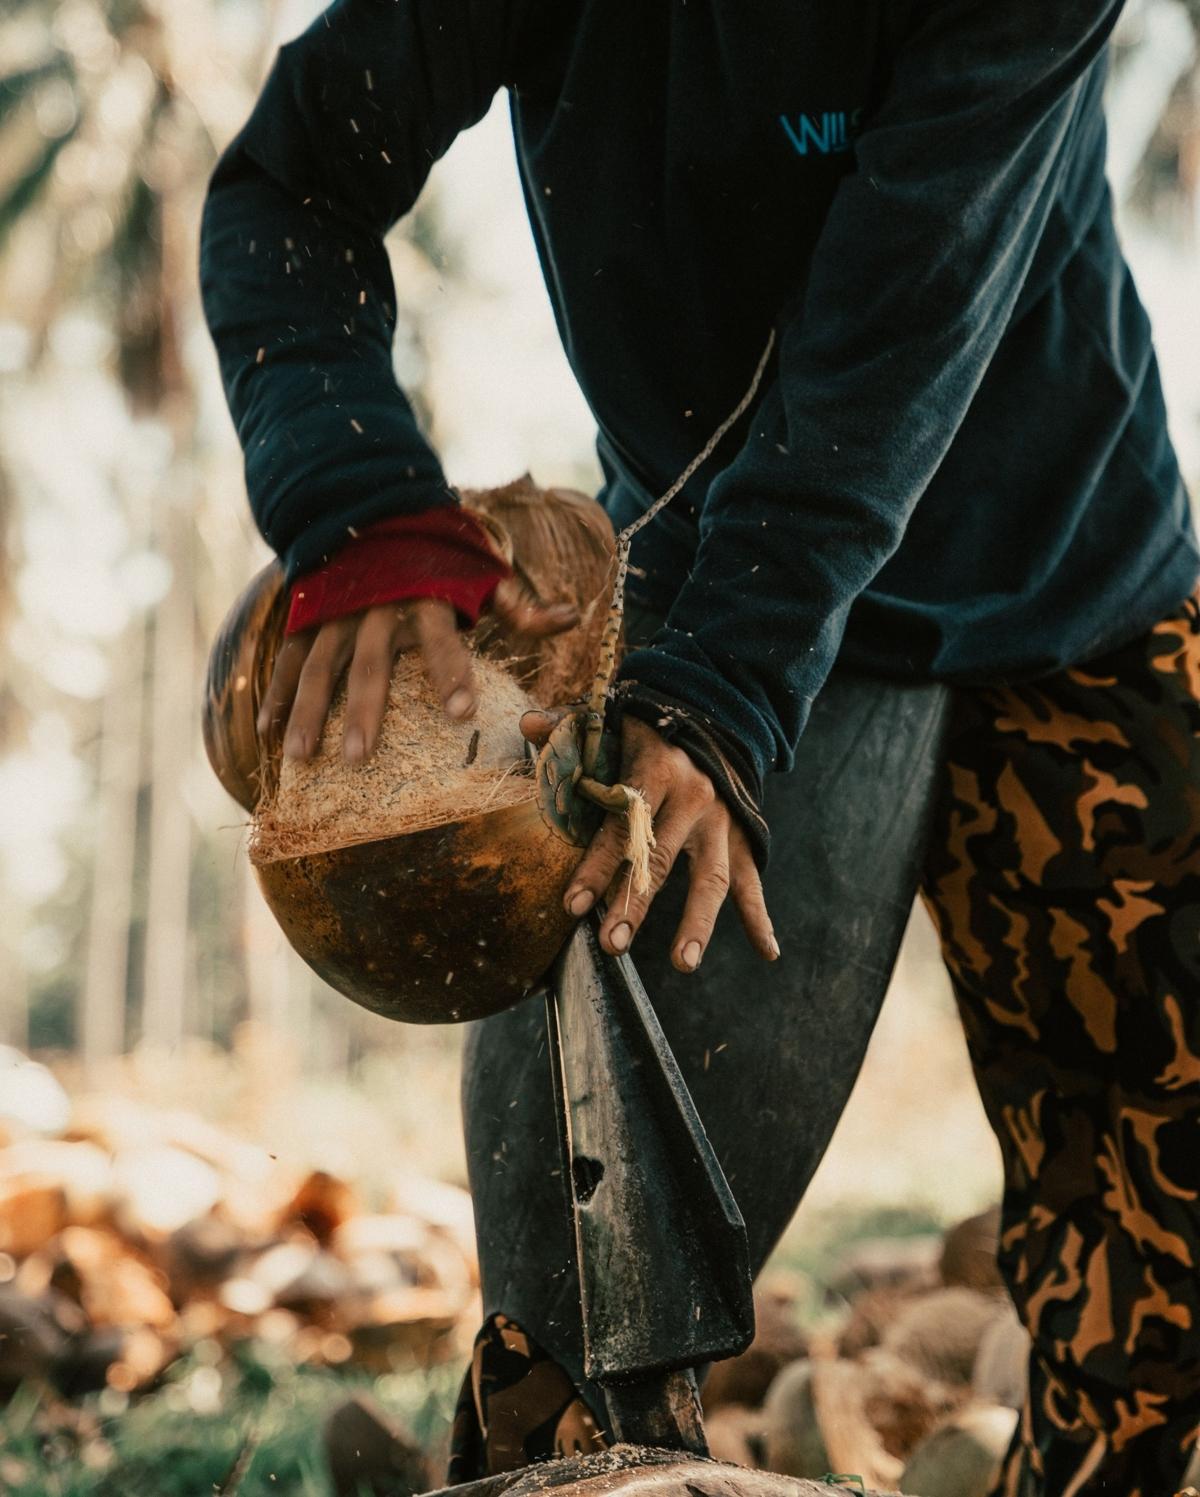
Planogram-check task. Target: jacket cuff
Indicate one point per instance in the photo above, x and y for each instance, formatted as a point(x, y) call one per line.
point(442, 553)
point(710, 747)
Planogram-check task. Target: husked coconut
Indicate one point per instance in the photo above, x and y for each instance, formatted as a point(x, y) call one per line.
point(795, 1445)
point(960, 1459)
point(940, 1333)
point(736, 1435)
point(1001, 1373)
point(969, 1251)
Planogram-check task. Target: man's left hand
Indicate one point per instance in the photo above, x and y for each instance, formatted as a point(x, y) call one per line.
point(689, 818)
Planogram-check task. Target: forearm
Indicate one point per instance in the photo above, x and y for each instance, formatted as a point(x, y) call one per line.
point(295, 278)
point(300, 307)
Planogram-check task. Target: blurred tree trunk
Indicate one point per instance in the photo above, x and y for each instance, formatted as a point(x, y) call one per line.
point(160, 279)
point(14, 985)
point(100, 1025)
point(166, 976)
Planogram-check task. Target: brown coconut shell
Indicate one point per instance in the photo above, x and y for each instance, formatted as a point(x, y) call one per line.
point(435, 917)
point(239, 671)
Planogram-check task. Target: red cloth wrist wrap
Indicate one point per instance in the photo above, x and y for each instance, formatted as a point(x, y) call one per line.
point(440, 553)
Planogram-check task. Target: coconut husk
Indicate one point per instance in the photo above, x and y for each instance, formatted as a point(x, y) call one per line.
point(1001, 1371)
point(778, 1341)
point(794, 1443)
point(736, 1436)
point(903, 1405)
point(940, 1334)
point(870, 1316)
point(32, 1209)
point(961, 1458)
point(321, 1204)
point(840, 1393)
point(907, 1263)
point(969, 1251)
point(427, 771)
point(562, 549)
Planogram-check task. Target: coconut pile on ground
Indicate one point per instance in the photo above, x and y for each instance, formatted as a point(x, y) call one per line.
point(135, 1234)
point(913, 1385)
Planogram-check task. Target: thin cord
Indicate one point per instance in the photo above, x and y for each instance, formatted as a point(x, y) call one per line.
point(706, 451)
point(606, 665)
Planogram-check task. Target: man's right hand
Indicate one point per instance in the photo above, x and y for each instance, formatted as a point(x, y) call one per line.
point(310, 664)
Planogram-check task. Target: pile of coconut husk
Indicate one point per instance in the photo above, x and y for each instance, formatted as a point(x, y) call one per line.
point(914, 1384)
point(913, 1381)
point(136, 1233)
point(910, 1382)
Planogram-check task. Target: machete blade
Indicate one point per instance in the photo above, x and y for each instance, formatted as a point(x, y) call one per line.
point(664, 1264)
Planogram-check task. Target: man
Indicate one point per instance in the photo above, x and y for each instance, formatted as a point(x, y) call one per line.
point(958, 472)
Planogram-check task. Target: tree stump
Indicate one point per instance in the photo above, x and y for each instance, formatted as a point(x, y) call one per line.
point(635, 1471)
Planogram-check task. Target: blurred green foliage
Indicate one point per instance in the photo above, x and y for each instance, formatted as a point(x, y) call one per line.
point(262, 1439)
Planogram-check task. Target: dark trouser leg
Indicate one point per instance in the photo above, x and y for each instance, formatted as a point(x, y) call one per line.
point(1064, 875)
point(770, 1053)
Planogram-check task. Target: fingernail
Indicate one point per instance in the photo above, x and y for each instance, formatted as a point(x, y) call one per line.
point(354, 746)
point(581, 901)
point(460, 702)
point(263, 721)
point(622, 936)
point(691, 954)
point(295, 744)
point(564, 611)
point(774, 947)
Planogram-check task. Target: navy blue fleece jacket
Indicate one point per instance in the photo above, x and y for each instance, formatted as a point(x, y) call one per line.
point(959, 467)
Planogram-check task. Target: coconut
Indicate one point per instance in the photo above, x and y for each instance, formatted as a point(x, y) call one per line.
point(428, 769)
point(424, 882)
point(563, 550)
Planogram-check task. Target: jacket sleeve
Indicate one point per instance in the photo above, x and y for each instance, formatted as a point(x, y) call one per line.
point(295, 280)
point(916, 275)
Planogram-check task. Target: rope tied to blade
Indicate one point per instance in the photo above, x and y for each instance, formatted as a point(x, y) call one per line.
point(626, 798)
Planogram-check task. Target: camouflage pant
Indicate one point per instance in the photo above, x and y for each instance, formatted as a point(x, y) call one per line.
point(1064, 879)
point(1063, 873)
point(517, 1406)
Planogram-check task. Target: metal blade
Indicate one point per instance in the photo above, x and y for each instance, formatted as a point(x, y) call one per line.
point(663, 1258)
